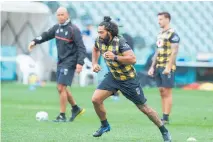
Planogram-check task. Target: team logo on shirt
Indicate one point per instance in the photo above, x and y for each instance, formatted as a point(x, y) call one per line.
point(61, 30)
point(175, 38)
point(66, 33)
point(126, 45)
point(138, 90)
point(159, 42)
point(39, 38)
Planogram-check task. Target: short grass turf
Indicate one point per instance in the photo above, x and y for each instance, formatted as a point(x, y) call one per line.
point(192, 116)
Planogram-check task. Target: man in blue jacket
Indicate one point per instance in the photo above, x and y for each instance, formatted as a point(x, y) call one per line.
point(71, 54)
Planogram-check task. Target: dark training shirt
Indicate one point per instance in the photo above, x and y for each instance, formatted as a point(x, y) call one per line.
point(70, 46)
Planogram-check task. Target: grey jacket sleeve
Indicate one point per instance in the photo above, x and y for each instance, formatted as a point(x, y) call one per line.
point(45, 36)
point(81, 50)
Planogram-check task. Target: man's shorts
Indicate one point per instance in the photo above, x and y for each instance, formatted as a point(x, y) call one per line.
point(131, 88)
point(65, 75)
point(163, 80)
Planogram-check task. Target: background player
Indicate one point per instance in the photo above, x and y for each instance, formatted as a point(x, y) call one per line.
point(71, 54)
point(164, 62)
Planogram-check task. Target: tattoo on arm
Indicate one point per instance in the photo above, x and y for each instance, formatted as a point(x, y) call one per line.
point(174, 48)
point(154, 59)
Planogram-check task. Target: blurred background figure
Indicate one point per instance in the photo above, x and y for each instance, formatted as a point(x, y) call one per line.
point(89, 35)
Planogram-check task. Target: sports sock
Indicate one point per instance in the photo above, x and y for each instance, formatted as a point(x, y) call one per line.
point(62, 114)
point(104, 123)
point(163, 129)
point(75, 107)
point(166, 117)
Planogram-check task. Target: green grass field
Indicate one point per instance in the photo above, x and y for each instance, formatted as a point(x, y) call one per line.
point(192, 116)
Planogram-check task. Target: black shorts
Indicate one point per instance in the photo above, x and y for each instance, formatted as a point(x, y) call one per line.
point(65, 75)
point(131, 88)
point(163, 80)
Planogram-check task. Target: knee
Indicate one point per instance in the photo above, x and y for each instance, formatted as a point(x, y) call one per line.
point(165, 92)
point(96, 100)
point(162, 91)
point(61, 88)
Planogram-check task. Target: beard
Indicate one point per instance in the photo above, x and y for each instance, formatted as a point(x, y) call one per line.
point(106, 39)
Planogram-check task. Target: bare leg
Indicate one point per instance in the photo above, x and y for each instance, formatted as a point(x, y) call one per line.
point(97, 99)
point(63, 97)
point(166, 97)
point(161, 90)
point(151, 114)
point(70, 98)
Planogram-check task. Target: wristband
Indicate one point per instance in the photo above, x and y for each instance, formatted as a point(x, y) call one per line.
point(116, 58)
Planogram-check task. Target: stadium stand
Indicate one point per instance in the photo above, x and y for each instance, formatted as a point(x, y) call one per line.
point(190, 19)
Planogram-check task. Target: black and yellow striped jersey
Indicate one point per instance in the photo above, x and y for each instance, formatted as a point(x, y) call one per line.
point(117, 45)
point(164, 41)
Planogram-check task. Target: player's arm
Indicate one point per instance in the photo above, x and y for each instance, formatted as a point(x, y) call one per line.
point(172, 58)
point(154, 59)
point(95, 57)
point(45, 36)
point(154, 62)
point(128, 56)
point(174, 50)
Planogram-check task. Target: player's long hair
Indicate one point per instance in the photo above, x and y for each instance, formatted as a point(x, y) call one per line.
point(110, 26)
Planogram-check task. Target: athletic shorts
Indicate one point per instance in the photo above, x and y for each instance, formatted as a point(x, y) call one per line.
point(65, 75)
point(163, 80)
point(131, 88)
